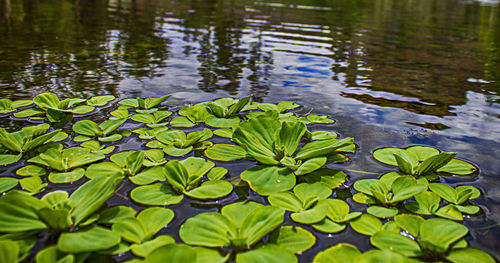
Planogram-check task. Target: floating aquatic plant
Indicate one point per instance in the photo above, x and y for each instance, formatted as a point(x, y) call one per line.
point(7, 106)
point(241, 227)
point(104, 132)
point(65, 164)
point(184, 178)
point(423, 161)
point(24, 140)
point(289, 156)
point(428, 203)
point(146, 105)
point(275, 146)
point(388, 191)
point(177, 143)
point(49, 105)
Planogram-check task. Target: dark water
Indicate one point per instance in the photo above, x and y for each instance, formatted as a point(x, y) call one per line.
point(391, 72)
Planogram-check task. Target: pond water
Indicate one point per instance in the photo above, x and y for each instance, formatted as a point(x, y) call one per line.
point(391, 72)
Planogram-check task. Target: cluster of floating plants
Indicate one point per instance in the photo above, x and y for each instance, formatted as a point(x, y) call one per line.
point(408, 214)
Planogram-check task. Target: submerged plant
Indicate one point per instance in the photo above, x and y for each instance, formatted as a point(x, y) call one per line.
point(177, 143)
point(275, 146)
point(423, 161)
point(65, 164)
point(184, 178)
point(387, 192)
point(24, 140)
point(104, 132)
point(55, 110)
point(241, 227)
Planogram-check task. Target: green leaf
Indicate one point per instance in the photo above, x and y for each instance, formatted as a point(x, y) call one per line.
point(427, 203)
point(290, 135)
point(311, 165)
point(90, 239)
point(237, 107)
point(328, 226)
point(382, 212)
point(311, 215)
point(260, 222)
point(104, 169)
point(16, 215)
point(329, 177)
point(469, 255)
point(29, 113)
point(52, 254)
point(444, 191)
point(366, 225)
point(410, 223)
point(91, 196)
point(211, 190)
point(257, 136)
point(7, 183)
point(295, 239)
point(463, 190)
point(181, 122)
point(395, 242)
point(115, 214)
point(88, 128)
point(266, 180)
point(175, 253)
point(148, 176)
point(387, 155)
point(438, 234)
point(144, 249)
point(9, 251)
point(308, 193)
point(210, 255)
point(268, 253)
point(154, 219)
point(321, 148)
point(407, 162)
point(340, 253)
point(177, 152)
point(155, 194)
point(384, 255)
point(459, 167)
point(130, 229)
point(285, 200)
point(66, 177)
point(177, 175)
point(433, 163)
point(98, 101)
point(46, 100)
point(216, 173)
point(195, 113)
point(450, 212)
point(423, 152)
point(226, 133)
point(33, 184)
point(82, 109)
point(216, 122)
point(225, 152)
point(110, 126)
point(208, 229)
point(237, 212)
point(6, 159)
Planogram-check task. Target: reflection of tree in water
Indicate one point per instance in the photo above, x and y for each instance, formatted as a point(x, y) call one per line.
point(218, 27)
point(68, 47)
